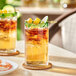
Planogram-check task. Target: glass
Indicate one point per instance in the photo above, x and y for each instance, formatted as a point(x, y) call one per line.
point(36, 45)
point(8, 31)
point(55, 3)
point(27, 2)
point(42, 3)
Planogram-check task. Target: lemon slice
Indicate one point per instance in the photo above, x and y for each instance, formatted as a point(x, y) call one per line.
point(9, 8)
point(36, 21)
point(29, 20)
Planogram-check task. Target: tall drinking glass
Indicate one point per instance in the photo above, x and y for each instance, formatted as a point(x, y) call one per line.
point(36, 42)
point(8, 32)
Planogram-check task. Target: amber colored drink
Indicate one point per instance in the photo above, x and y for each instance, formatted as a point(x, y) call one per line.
point(36, 46)
point(27, 2)
point(7, 34)
point(43, 3)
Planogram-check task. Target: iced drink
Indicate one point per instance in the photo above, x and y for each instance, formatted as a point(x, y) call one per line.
point(8, 30)
point(7, 34)
point(36, 41)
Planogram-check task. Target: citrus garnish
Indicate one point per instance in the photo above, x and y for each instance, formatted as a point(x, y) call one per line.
point(1, 11)
point(9, 8)
point(29, 20)
point(5, 11)
point(36, 21)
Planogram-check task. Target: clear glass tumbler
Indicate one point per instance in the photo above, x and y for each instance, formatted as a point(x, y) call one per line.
point(8, 32)
point(36, 43)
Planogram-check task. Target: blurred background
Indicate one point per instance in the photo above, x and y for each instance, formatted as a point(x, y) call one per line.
point(38, 8)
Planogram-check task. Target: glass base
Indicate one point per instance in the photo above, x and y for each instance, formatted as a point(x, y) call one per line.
point(9, 53)
point(38, 67)
point(36, 63)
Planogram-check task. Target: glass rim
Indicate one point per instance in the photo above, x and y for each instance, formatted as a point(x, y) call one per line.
point(47, 21)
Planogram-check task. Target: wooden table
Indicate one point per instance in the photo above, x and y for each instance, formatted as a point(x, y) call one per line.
point(64, 63)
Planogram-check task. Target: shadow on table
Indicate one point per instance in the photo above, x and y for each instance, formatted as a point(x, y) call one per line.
point(64, 70)
point(63, 59)
point(19, 72)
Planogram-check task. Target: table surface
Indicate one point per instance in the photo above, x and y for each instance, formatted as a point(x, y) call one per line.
point(64, 63)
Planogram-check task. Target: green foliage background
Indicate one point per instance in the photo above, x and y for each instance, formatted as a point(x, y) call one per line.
point(2, 3)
